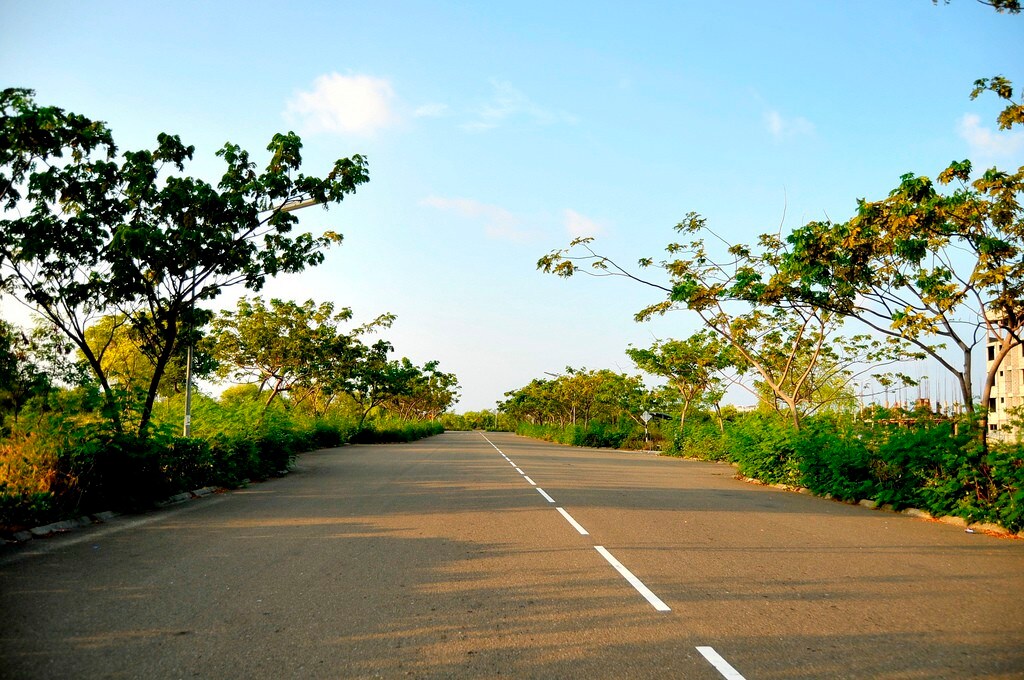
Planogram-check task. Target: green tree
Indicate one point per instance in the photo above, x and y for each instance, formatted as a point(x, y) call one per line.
point(533, 403)
point(129, 369)
point(84, 234)
point(289, 348)
point(579, 396)
point(744, 296)
point(21, 374)
point(431, 392)
point(692, 366)
point(922, 265)
point(375, 379)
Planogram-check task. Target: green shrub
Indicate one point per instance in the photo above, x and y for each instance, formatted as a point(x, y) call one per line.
point(595, 434)
point(700, 438)
point(833, 461)
point(764, 448)
point(112, 471)
point(187, 464)
point(387, 432)
point(21, 510)
point(1006, 468)
point(924, 467)
point(233, 459)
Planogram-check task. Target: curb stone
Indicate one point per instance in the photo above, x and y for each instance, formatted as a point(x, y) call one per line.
point(99, 518)
point(989, 528)
point(979, 527)
point(59, 527)
point(178, 498)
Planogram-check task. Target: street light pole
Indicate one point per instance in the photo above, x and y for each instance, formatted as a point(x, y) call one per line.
point(187, 430)
point(187, 427)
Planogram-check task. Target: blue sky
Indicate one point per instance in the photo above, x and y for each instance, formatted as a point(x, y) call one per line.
point(496, 133)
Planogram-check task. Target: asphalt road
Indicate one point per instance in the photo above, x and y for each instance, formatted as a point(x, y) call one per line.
point(442, 558)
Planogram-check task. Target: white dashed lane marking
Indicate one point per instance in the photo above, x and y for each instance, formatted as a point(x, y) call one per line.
point(653, 599)
point(575, 525)
point(633, 580)
point(720, 664)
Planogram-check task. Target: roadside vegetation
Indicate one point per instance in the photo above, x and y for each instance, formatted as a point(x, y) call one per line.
point(824, 318)
point(121, 257)
point(903, 456)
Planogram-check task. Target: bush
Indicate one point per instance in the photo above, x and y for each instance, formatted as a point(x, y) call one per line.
point(595, 434)
point(23, 510)
point(28, 482)
point(700, 438)
point(833, 461)
point(56, 466)
point(764, 447)
point(1006, 468)
point(923, 467)
point(388, 432)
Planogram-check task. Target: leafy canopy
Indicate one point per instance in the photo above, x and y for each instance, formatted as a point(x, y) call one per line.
point(86, 232)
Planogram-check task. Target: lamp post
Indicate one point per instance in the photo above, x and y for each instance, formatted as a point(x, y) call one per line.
point(187, 427)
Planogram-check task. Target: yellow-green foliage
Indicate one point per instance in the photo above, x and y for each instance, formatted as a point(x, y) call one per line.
point(27, 465)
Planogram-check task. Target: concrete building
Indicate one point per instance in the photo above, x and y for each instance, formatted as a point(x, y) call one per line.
point(1007, 392)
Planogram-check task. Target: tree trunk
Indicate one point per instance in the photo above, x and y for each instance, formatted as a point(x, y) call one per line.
point(110, 400)
point(154, 383)
point(966, 386)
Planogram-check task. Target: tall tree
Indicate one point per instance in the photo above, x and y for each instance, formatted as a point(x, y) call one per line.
point(923, 266)
point(579, 396)
point(744, 296)
point(375, 379)
point(692, 367)
point(430, 394)
point(287, 347)
point(84, 234)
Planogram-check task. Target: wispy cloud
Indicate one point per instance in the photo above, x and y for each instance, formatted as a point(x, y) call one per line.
point(507, 103)
point(987, 143)
point(782, 127)
point(498, 222)
point(580, 225)
point(337, 104)
point(432, 110)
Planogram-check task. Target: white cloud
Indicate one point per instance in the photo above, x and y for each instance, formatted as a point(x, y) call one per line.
point(508, 103)
point(343, 104)
point(987, 143)
point(787, 128)
point(498, 222)
point(432, 110)
point(579, 225)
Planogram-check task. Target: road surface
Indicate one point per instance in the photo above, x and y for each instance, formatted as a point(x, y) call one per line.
point(469, 555)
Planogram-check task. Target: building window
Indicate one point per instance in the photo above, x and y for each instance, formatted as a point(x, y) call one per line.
point(991, 352)
point(992, 403)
